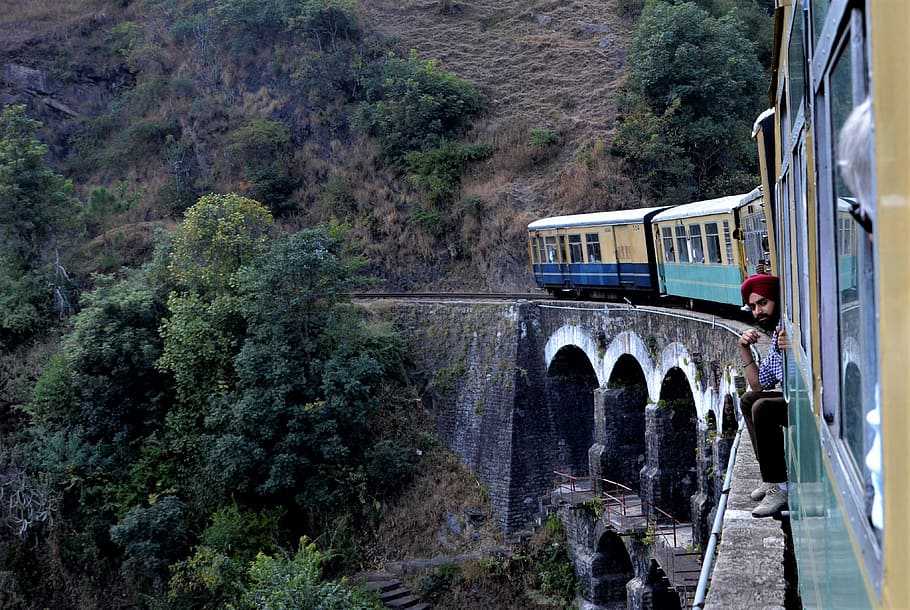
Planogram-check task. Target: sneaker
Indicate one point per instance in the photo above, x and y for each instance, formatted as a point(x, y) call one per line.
point(759, 492)
point(774, 501)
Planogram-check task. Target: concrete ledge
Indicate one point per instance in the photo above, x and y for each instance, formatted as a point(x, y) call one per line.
point(749, 569)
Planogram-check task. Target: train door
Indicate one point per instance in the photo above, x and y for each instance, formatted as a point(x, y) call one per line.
point(565, 269)
point(616, 256)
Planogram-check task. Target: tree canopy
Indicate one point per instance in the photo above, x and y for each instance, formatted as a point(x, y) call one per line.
point(688, 106)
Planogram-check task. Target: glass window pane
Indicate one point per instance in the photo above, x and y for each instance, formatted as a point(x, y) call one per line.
point(698, 251)
point(797, 60)
point(669, 254)
point(713, 241)
point(593, 243)
point(563, 252)
point(682, 244)
point(819, 9)
point(551, 249)
point(855, 289)
point(535, 251)
point(728, 243)
point(575, 249)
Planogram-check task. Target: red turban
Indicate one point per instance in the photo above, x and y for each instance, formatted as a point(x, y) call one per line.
point(766, 285)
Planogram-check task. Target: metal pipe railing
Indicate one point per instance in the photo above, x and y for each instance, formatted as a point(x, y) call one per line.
point(707, 566)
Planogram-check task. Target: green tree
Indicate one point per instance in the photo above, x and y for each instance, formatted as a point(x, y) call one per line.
point(306, 376)
point(34, 201)
point(692, 94)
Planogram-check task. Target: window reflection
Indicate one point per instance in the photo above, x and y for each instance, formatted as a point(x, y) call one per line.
point(855, 291)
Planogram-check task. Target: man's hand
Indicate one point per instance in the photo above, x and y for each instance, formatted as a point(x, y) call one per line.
point(749, 337)
point(783, 342)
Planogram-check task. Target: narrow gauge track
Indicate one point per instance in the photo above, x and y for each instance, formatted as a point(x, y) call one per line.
point(474, 296)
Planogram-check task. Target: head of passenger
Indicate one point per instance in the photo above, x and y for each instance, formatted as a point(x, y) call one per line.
point(761, 293)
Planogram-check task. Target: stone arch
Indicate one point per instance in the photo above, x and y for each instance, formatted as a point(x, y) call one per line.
point(578, 337)
point(569, 394)
point(611, 570)
point(678, 442)
point(628, 343)
point(676, 355)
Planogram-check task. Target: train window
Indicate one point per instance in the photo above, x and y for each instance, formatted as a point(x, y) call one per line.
point(728, 244)
point(698, 249)
point(819, 8)
point(535, 251)
point(593, 242)
point(796, 58)
point(551, 249)
point(855, 287)
point(669, 255)
point(802, 241)
point(713, 241)
point(542, 251)
point(575, 251)
point(682, 244)
point(563, 253)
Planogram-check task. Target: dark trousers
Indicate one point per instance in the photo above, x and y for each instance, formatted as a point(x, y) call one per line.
point(766, 418)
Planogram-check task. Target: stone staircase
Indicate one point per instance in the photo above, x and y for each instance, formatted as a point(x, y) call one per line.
point(623, 511)
point(392, 592)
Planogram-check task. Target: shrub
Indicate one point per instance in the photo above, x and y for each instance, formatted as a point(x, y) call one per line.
point(541, 137)
point(412, 105)
point(103, 203)
point(278, 583)
point(263, 148)
point(438, 171)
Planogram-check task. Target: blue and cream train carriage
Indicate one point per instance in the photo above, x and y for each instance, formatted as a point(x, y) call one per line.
point(594, 254)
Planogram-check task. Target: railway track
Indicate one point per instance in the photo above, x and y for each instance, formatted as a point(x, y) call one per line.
point(461, 296)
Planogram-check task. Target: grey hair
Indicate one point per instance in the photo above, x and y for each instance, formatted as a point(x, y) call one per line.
point(854, 153)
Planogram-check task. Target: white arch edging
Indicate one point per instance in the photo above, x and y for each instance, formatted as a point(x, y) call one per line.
point(575, 336)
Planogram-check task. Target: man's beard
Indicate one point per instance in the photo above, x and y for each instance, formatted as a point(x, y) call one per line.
point(769, 323)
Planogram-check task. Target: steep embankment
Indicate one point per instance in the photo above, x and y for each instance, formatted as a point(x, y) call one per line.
point(158, 103)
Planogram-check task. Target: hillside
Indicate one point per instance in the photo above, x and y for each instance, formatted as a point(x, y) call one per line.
point(113, 81)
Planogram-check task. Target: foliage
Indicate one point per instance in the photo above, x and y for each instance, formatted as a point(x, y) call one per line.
point(34, 203)
point(263, 149)
point(219, 235)
point(103, 203)
point(412, 105)
point(106, 377)
point(279, 583)
point(438, 171)
point(152, 537)
point(299, 416)
point(542, 137)
point(691, 97)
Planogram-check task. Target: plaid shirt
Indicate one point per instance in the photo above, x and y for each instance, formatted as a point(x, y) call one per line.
point(771, 369)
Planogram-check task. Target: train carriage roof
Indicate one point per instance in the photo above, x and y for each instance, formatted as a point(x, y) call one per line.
point(618, 217)
point(721, 205)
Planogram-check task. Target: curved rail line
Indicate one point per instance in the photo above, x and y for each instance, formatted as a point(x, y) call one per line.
point(453, 295)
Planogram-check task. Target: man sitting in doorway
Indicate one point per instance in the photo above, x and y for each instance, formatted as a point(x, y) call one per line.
point(764, 407)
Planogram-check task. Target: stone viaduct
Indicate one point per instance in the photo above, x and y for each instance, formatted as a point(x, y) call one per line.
point(643, 396)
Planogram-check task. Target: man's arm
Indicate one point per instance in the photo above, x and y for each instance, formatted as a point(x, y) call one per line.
point(750, 367)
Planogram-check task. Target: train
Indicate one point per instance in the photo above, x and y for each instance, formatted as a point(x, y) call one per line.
point(699, 251)
point(831, 218)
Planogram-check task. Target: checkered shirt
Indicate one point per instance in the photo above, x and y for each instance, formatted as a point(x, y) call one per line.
point(771, 369)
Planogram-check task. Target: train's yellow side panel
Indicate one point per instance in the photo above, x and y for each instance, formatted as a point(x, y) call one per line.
point(891, 107)
point(631, 246)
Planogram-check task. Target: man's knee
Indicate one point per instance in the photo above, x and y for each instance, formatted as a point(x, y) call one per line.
point(769, 408)
point(748, 400)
